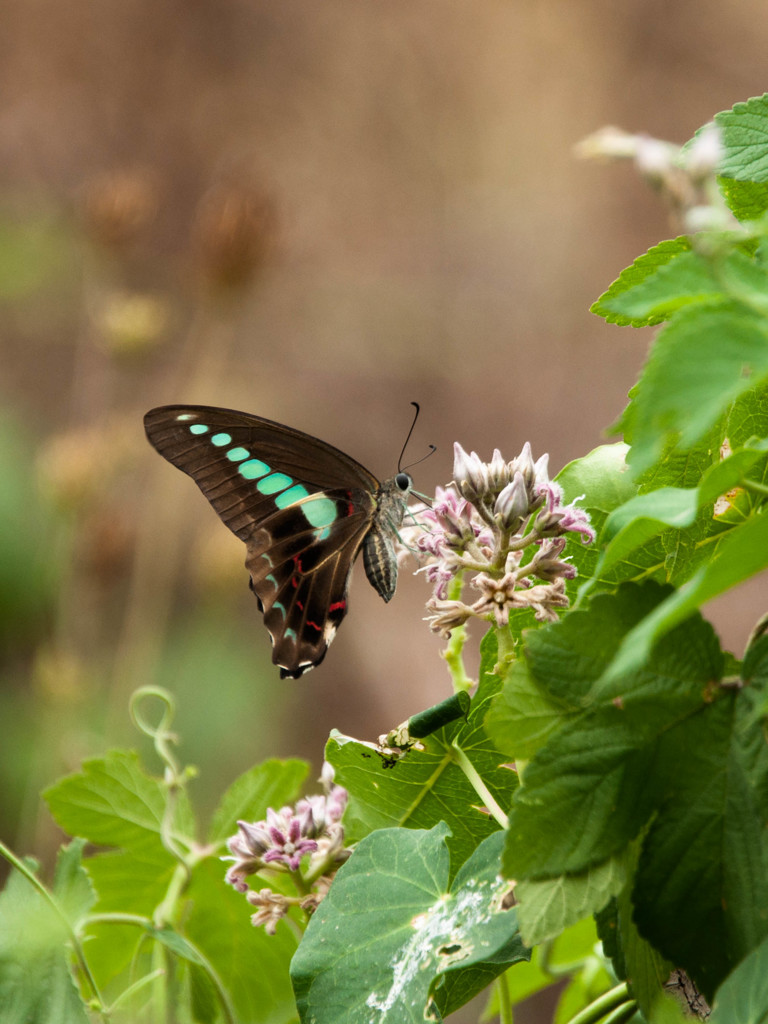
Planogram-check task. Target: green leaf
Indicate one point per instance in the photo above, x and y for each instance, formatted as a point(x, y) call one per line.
point(745, 140)
point(71, 885)
point(272, 783)
point(743, 996)
point(647, 516)
point(703, 360)
point(594, 773)
point(252, 965)
point(113, 802)
point(523, 716)
point(390, 928)
point(36, 986)
point(701, 888)
point(426, 787)
point(548, 906)
point(644, 267)
point(684, 281)
point(742, 554)
point(747, 200)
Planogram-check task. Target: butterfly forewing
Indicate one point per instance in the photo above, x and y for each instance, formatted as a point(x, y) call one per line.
point(302, 507)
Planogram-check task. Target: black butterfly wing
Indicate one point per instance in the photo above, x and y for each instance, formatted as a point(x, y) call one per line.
point(302, 507)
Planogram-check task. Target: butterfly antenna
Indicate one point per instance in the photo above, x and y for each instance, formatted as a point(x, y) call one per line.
point(432, 448)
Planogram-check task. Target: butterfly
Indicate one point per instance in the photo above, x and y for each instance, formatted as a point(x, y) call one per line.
point(304, 510)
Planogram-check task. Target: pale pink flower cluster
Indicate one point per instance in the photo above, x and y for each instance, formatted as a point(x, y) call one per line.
point(312, 829)
point(487, 522)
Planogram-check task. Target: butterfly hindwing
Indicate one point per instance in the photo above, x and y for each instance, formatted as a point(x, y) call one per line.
point(303, 508)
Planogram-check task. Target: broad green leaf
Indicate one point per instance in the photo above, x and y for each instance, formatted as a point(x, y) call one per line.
point(547, 906)
point(668, 1011)
point(703, 360)
point(743, 996)
point(745, 140)
point(390, 928)
point(643, 966)
point(272, 783)
point(252, 965)
point(523, 716)
point(701, 888)
point(593, 774)
point(113, 802)
point(36, 986)
point(742, 554)
point(644, 267)
point(428, 786)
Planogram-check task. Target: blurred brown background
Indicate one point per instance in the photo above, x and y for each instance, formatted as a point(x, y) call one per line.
point(316, 212)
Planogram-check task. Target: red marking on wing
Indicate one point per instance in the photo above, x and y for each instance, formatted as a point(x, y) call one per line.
point(350, 506)
point(336, 606)
point(314, 625)
point(300, 606)
point(294, 581)
point(297, 563)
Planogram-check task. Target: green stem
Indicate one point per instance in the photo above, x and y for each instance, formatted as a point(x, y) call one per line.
point(754, 485)
point(478, 785)
point(603, 1004)
point(505, 1004)
point(622, 1013)
point(453, 652)
point(453, 655)
point(32, 878)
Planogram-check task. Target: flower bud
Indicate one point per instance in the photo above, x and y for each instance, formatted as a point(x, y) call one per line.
point(470, 474)
point(512, 504)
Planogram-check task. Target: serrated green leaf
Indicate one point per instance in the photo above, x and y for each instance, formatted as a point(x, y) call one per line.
point(643, 268)
point(593, 773)
point(390, 927)
point(745, 140)
point(272, 783)
point(702, 361)
point(686, 280)
point(547, 907)
point(701, 888)
point(523, 717)
point(742, 554)
point(743, 996)
point(113, 802)
point(428, 786)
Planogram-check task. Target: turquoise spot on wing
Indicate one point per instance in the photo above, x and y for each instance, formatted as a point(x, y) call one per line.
point(290, 633)
point(272, 579)
point(198, 428)
point(322, 534)
point(291, 495)
point(221, 440)
point(237, 454)
point(280, 607)
point(321, 511)
point(253, 469)
point(186, 416)
point(273, 483)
